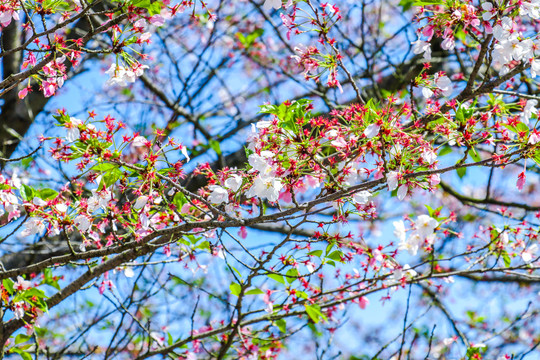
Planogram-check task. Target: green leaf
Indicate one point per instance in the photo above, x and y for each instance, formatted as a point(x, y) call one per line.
point(27, 161)
point(254, 292)
point(27, 192)
point(292, 275)
point(179, 200)
point(103, 167)
point(316, 253)
point(215, 146)
point(48, 279)
point(329, 247)
point(205, 245)
point(445, 150)
point(536, 157)
point(406, 4)
point(40, 294)
point(61, 118)
point(461, 172)
point(47, 194)
point(268, 109)
point(22, 338)
point(474, 155)
point(281, 325)
point(335, 255)
point(110, 177)
point(460, 117)
point(153, 7)
point(506, 258)
point(278, 278)
point(235, 289)
point(236, 271)
point(427, 2)
point(22, 353)
point(314, 312)
point(249, 39)
point(8, 285)
point(521, 127)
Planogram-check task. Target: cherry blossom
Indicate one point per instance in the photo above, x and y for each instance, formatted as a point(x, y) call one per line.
point(234, 182)
point(392, 179)
point(22, 284)
point(422, 47)
point(528, 254)
point(218, 194)
point(372, 131)
point(425, 225)
point(33, 226)
point(269, 4)
point(528, 111)
point(141, 202)
point(265, 187)
point(362, 197)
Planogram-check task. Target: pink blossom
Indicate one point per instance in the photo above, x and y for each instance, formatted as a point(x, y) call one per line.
point(21, 284)
point(434, 179)
point(23, 93)
point(363, 302)
point(243, 232)
point(521, 180)
point(18, 311)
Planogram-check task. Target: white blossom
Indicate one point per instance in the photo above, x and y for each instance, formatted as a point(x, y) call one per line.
point(269, 4)
point(218, 195)
point(265, 187)
point(489, 11)
point(22, 284)
point(412, 244)
point(535, 68)
point(18, 311)
point(120, 75)
point(502, 31)
point(405, 271)
point(139, 141)
point(33, 226)
point(234, 182)
point(528, 111)
point(61, 207)
point(73, 132)
point(82, 223)
point(371, 131)
point(362, 197)
point(528, 254)
point(399, 230)
point(38, 201)
point(448, 43)
point(532, 9)
point(425, 225)
point(141, 202)
point(422, 47)
point(427, 92)
point(128, 272)
point(445, 84)
point(392, 180)
point(260, 162)
point(429, 156)
point(183, 149)
point(402, 192)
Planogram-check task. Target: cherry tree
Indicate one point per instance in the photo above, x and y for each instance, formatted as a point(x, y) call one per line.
point(270, 179)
